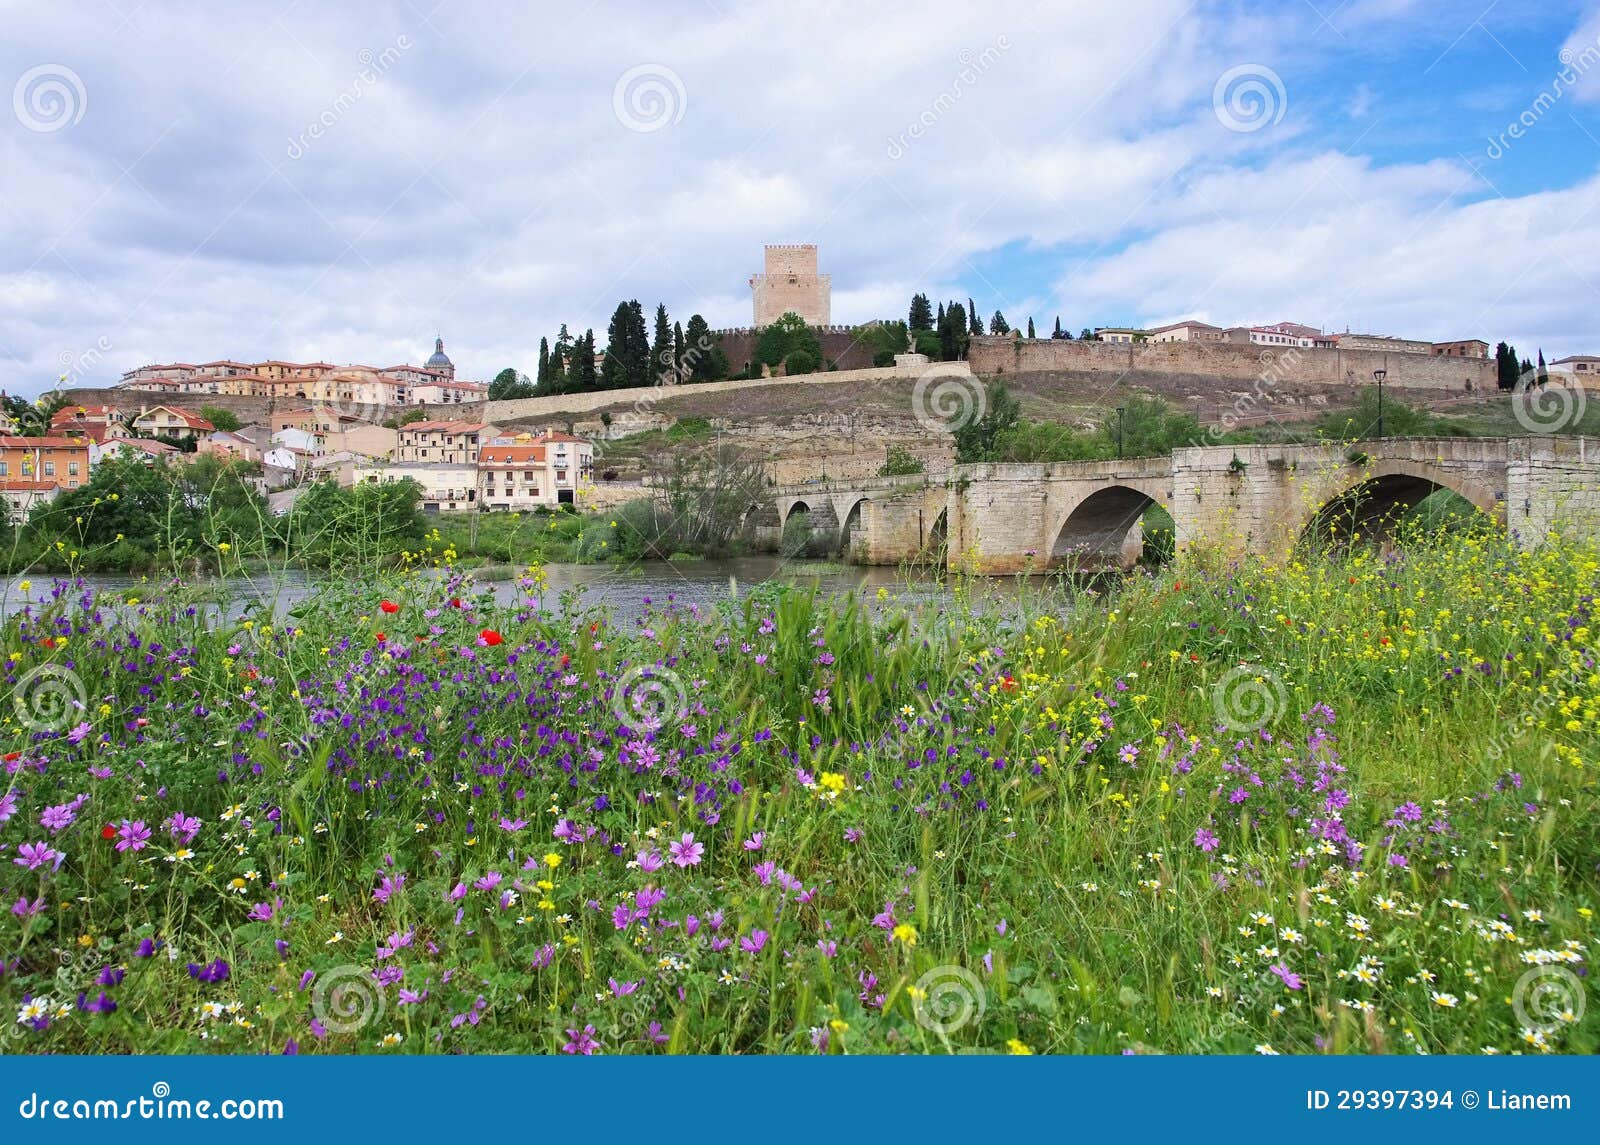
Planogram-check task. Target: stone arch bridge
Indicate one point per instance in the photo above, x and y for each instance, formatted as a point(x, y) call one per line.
point(1004, 518)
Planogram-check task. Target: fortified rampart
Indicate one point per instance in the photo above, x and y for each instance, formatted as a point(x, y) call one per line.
point(1282, 366)
point(841, 346)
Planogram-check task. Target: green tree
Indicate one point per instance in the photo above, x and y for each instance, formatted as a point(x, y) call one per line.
point(703, 358)
point(137, 515)
point(900, 462)
point(799, 362)
point(921, 316)
point(32, 418)
point(663, 364)
point(1399, 420)
point(560, 359)
point(223, 419)
point(541, 376)
point(954, 336)
point(1057, 332)
point(975, 440)
point(999, 325)
point(1506, 368)
point(788, 336)
point(1031, 334)
point(614, 371)
point(581, 377)
point(977, 323)
point(363, 526)
point(509, 384)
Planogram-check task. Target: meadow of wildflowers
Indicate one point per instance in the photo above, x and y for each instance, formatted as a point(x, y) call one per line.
point(1343, 805)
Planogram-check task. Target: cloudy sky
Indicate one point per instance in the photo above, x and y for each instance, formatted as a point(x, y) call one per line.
point(305, 180)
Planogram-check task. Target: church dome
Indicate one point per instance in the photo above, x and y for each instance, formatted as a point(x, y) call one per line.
point(438, 358)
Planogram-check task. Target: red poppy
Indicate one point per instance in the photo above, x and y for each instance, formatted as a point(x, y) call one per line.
point(109, 831)
point(455, 602)
point(490, 637)
point(388, 606)
point(565, 660)
point(48, 642)
point(379, 637)
point(1008, 684)
point(12, 756)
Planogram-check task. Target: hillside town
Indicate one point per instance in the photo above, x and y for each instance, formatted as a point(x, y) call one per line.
point(349, 424)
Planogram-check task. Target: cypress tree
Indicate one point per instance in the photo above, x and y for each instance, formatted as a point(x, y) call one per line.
point(921, 316)
point(614, 373)
point(640, 373)
point(700, 354)
point(542, 375)
point(663, 365)
point(1030, 328)
point(582, 377)
point(999, 325)
point(977, 323)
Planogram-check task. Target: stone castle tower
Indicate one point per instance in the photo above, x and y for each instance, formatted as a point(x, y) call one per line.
point(791, 282)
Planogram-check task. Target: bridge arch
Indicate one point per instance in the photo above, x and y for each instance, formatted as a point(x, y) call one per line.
point(1373, 503)
point(1102, 530)
point(850, 520)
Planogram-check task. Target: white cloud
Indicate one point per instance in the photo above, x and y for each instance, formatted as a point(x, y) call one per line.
point(481, 187)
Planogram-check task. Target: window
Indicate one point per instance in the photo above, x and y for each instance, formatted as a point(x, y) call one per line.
point(72, 468)
point(3, 468)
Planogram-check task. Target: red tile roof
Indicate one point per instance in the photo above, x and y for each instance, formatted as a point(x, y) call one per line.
point(42, 443)
point(189, 417)
point(511, 455)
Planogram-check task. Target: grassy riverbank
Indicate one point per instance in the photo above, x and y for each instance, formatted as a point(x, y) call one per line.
point(1343, 806)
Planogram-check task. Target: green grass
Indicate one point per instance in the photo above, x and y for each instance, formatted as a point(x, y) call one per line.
point(989, 829)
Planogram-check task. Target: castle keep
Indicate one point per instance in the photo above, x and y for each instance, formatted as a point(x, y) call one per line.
point(791, 282)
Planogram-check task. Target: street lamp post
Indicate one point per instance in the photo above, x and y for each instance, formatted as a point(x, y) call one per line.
point(1119, 433)
point(1378, 375)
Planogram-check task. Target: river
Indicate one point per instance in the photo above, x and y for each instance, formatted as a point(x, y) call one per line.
point(627, 591)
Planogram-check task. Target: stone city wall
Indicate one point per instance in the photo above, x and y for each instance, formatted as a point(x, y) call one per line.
point(991, 356)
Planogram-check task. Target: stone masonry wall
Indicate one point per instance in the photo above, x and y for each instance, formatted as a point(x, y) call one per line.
point(989, 356)
point(1553, 483)
point(642, 398)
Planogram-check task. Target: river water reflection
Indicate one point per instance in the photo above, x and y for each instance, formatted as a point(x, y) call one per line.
point(624, 590)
